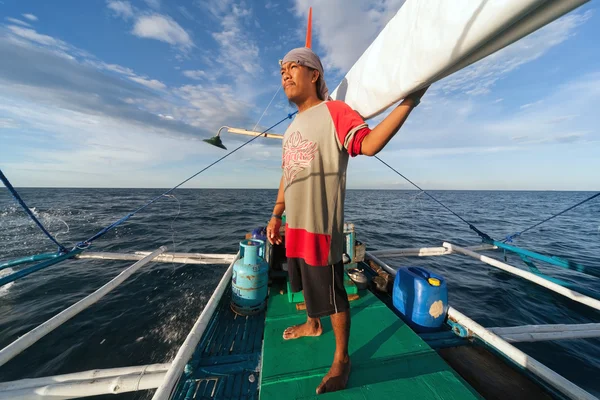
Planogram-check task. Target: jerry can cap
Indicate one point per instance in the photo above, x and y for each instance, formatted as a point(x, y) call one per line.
point(434, 281)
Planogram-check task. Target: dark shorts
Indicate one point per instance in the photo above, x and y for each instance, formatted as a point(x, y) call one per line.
point(324, 292)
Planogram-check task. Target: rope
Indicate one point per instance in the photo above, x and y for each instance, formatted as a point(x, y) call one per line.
point(269, 105)
point(88, 242)
point(15, 194)
point(481, 234)
point(510, 238)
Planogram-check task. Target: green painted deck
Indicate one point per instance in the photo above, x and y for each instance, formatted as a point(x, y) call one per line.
point(389, 360)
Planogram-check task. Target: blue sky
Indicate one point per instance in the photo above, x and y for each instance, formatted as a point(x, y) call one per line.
point(120, 94)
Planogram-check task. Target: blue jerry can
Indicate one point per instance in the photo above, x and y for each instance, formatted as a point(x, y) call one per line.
point(250, 279)
point(421, 297)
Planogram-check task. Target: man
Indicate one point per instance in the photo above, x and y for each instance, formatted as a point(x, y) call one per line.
point(316, 147)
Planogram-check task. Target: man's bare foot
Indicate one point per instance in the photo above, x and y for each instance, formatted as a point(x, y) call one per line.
point(337, 377)
point(305, 329)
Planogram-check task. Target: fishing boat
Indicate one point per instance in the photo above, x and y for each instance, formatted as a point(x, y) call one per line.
point(406, 341)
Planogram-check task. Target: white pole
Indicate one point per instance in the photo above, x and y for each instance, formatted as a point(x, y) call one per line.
point(189, 345)
point(571, 294)
point(383, 265)
point(511, 330)
point(545, 336)
point(425, 251)
point(25, 341)
point(180, 258)
point(254, 133)
point(78, 376)
point(88, 387)
point(563, 385)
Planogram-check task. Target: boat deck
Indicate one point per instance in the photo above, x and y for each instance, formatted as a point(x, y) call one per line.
point(388, 359)
point(226, 362)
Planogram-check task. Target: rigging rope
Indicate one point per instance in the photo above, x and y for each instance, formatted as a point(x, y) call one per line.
point(88, 242)
point(15, 194)
point(510, 238)
point(269, 105)
point(481, 234)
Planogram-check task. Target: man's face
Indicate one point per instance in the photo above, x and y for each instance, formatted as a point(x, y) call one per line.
point(298, 82)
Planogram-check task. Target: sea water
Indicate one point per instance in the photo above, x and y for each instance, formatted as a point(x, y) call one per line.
point(145, 319)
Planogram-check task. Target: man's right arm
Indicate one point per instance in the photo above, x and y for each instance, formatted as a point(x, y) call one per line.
point(275, 223)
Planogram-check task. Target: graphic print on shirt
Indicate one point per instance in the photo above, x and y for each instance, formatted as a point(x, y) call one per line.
point(297, 155)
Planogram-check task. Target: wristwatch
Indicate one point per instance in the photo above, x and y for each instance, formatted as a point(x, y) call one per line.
point(275, 216)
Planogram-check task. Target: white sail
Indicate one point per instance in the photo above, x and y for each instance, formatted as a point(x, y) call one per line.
point(428, 40)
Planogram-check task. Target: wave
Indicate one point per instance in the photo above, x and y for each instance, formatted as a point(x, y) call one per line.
point(4, 289)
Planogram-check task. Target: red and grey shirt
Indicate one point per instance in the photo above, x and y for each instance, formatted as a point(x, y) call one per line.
point(316, 147)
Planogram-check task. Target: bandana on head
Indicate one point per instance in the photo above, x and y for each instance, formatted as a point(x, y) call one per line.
point(306, 57)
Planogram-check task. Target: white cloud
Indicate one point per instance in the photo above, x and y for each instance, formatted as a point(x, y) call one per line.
point(480, 77)
point(209, 106)
point(153, 3)
point(184, 11)
point(7, 123)
point(549, 121)
point(122, 9)
point(116, 68)
point(238, 50)
point(419, 152)
point(525, 106)
point(120, 129)
point(215, 7)
point(163, 28)
point(345, 29)
point(17, 21)
point(195, 74)
point(151, 83)
point(84, 85)
point(33, 36)
point(30, 17)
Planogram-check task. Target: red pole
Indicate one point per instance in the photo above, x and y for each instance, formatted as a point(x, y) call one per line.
point(309, 29)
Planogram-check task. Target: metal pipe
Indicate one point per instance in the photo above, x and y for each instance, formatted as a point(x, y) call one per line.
point(28, 339)
point(189, 345)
